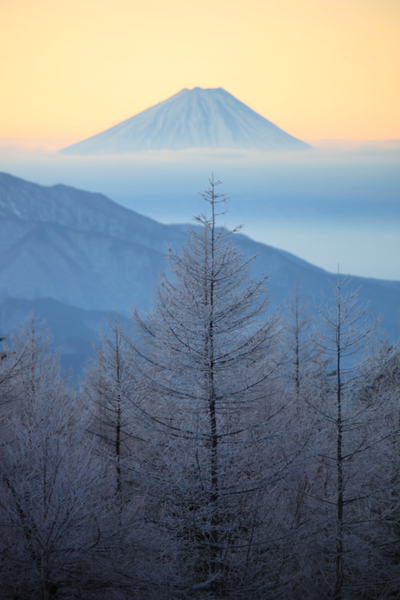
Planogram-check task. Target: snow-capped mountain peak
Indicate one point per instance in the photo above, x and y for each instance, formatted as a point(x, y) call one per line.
point(197, 118)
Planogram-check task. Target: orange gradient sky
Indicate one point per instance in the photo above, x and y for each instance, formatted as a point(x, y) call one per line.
point(316, 68)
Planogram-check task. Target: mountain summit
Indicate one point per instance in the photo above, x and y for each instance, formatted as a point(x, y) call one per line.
point(197, 118)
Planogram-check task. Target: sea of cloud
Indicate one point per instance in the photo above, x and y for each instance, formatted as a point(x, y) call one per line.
point(336, 204)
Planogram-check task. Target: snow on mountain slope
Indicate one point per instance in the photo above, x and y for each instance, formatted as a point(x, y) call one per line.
point(85, 250)
point(76, 209)
point(197, 118)
point(75, 257)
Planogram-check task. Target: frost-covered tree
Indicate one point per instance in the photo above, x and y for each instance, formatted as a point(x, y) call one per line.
point(53, 510)
point(108, 394)
point(297, 327)
point(107, 389)
point(347, 443)
point(380, 389)
point(208, 363)
point(10, 366)
point(30, 349)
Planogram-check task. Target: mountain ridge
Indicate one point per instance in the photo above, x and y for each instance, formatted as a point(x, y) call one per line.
point(83, 249)
point(74, 208)
point(65, 252)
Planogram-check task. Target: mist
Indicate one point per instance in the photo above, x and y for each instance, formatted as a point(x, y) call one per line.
point(336, 204)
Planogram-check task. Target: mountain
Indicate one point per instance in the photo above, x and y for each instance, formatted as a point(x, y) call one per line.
point(76, 257)
point(74, 330)
point(197, 118)
point(77, 247)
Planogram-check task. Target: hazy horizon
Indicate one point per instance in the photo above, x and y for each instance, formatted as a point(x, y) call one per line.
point(336, 204)
point(320, 71)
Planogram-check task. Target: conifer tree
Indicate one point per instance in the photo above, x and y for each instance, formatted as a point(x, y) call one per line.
point(107, 389)
point(348, 452)
point(208, 362)
point(297, 326)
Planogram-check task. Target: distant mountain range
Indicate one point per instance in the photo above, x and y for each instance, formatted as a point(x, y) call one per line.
point(197, 118)
point(75, 256)
point(74, 329)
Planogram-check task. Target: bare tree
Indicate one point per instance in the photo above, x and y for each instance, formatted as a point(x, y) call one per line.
point(208, 362)
point(347, 450)
point(51, 494)
point(298, 324)
point(380, 389)
point(11, 363)
point(108, 388)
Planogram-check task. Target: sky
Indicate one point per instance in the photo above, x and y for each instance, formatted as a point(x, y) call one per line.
point(319, 69)
point(325, 71)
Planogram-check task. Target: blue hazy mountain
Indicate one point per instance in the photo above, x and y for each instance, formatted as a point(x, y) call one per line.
point(73, 329)
point(197, 118)
point(73, 256)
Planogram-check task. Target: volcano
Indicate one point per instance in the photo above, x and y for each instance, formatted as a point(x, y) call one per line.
point(197, 118)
